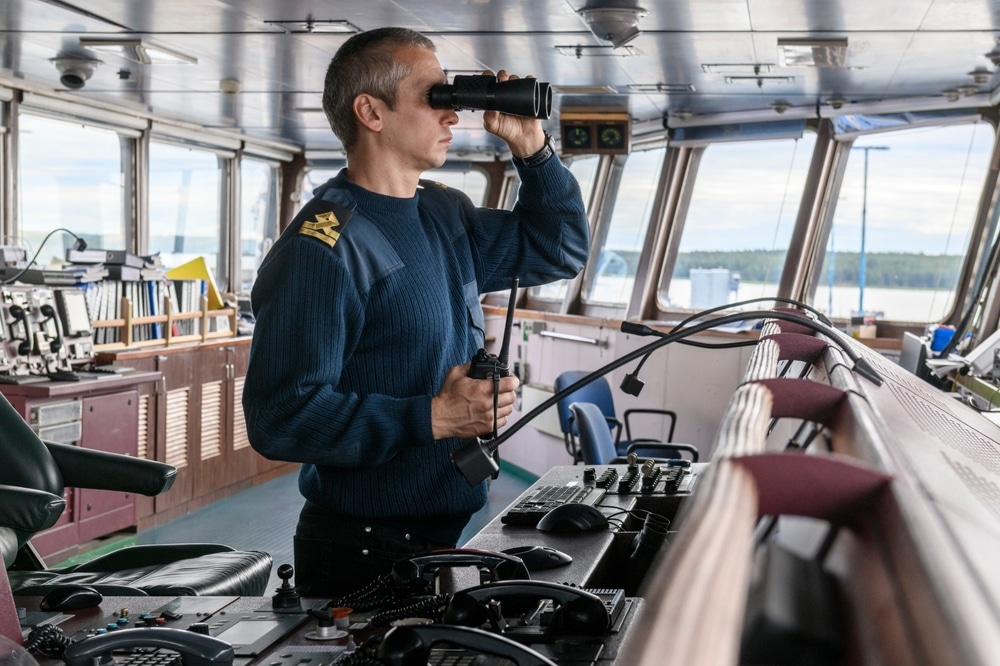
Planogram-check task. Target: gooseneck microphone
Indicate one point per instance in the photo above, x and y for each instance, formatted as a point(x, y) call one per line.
point(78, 244)
point(475, 460)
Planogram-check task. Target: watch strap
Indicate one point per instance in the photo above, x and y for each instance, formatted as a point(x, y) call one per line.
point(540, 157)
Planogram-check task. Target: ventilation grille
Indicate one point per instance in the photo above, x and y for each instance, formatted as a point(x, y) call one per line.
point(142, 441)
point(240, 439)
point(211, 420)
point(177, 427)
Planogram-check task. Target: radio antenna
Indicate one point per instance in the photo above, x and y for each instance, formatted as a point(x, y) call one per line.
point(505, 346)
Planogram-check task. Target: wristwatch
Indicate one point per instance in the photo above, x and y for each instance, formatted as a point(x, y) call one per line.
point(542, 156)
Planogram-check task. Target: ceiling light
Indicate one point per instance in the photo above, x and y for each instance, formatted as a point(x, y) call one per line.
point(951, 94)
point(759, 81)
point(994, 55)
point(738, 69)
point(981, 75)
point(967, 90)
point(133, 48)
point(780, 106)
point(310, 25)
point(836, 102)
point(665, 88)
point(812, 52)
point(618, 25)
point(590, 51)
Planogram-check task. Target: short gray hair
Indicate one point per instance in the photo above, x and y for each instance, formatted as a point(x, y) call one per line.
point(365, 63)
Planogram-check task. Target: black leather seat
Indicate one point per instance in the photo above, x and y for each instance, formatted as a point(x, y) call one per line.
point(33, 476)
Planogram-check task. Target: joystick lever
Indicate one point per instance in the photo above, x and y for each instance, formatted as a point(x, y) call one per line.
point(286, 596)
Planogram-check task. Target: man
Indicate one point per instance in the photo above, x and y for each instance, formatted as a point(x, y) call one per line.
point(367, 315)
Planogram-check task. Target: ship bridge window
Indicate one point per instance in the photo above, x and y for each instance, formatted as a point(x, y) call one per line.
point(70, 175)
point(739, 222)
point(902, 226)
point(609, 279)
point(584, 169)
point(469, 180)
point(185, 194)
point(258, 216)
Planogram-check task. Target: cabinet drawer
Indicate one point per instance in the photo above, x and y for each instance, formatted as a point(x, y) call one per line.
point(65, 433)
point(52, 413)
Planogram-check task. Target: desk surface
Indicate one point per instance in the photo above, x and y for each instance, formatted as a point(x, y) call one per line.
point(104, 384)
point(261, 635)
point(282, 638)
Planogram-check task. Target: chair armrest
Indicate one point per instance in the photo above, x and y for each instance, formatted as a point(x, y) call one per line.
point(671, 450)
point(135, 557)
point(29, 509)
point(100, 470)
point(662, 412)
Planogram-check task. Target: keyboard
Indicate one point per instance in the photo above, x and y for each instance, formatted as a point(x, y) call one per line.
point(529, 510)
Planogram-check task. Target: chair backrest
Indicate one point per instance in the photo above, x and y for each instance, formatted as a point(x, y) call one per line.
point(27, 462)
point(597, 392)
point(596, 443)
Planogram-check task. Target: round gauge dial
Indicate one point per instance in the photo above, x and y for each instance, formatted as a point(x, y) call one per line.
point(610, 136)
point(576, 136)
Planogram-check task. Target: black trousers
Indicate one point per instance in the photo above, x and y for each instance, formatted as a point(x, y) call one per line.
point(336, 555)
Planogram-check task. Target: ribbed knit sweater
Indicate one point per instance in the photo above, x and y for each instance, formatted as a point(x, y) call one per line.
point(363, 305)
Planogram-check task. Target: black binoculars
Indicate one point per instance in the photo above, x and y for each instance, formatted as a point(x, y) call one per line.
point(520, 97)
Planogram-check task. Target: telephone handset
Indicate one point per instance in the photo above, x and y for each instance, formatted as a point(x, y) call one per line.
point(411, 645)
point(195, 649)
point(419, 572)
point(520, 609)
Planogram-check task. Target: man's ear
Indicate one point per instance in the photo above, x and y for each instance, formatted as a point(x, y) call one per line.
point(368, 110)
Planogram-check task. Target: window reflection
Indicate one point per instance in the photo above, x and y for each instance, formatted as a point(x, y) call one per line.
point(584, 169)
point(70, 176)
point(258, 216)
point(610, 280)
point(472, 182)
point(184, 200)
point(916, 208)
point(739, 222)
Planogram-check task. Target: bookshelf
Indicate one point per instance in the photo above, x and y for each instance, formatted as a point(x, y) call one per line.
point(127, 323)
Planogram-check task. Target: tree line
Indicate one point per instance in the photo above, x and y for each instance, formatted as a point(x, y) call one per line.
point(882, 269)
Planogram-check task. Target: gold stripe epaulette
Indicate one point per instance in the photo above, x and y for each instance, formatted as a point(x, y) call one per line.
point(322, 228)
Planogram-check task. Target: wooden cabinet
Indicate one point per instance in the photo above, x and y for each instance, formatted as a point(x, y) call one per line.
point(193, 419)
point(97, 414)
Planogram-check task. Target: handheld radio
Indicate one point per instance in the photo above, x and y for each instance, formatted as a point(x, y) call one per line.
point(494, 366)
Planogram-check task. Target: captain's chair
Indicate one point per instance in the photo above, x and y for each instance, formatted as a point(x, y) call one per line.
point(33, 476)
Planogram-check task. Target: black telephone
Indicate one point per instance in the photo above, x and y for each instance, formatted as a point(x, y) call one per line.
point(529, 610)
point(195, 649)
point(411, 645)
point(419, 572)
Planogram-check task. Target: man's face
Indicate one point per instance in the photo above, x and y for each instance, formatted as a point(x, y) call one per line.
point(419, 135)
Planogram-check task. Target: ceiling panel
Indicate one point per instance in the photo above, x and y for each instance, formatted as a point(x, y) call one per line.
point(896, 49)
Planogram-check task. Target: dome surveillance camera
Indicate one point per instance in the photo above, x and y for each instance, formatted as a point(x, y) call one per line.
point(74, 72)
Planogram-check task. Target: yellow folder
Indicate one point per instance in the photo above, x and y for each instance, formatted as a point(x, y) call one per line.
point(196, 269)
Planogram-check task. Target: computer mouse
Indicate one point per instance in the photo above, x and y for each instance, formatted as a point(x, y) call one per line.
point(573, 517)
point(70, 597)
point(536, 558)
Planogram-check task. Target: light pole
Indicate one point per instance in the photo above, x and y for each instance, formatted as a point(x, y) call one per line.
point(864, 215)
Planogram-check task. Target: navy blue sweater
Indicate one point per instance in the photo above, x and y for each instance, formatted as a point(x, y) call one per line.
point(363, 305)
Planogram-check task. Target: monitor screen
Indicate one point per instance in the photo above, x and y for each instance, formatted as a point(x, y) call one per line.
point(73, 308)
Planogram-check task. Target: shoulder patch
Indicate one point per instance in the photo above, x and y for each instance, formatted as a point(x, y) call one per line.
point(326, 226)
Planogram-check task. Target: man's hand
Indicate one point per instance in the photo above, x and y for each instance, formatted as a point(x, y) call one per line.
point(464, 406)
point(523, 135)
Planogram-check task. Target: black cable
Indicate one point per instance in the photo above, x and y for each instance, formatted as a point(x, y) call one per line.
point(475, 460)
point(78, 245)
point(728, 306)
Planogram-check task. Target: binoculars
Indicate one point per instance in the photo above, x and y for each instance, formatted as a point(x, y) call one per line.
point(520, 97)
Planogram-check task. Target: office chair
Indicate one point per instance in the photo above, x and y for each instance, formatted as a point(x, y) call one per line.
point(33, 477)
point(598, 392)
point(597, 447)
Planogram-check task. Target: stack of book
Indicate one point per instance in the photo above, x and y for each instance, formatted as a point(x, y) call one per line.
point(141, 280)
